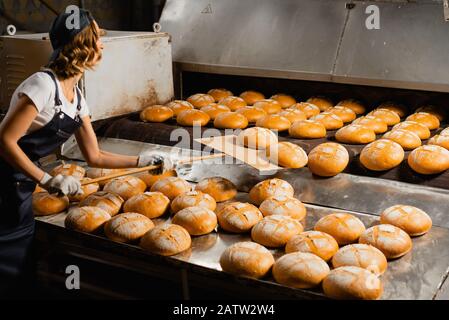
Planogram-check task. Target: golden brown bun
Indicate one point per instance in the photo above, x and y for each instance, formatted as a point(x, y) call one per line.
point(109, 202)
point(397, 108)
point(247, 259)
point(321, 102)
point(257, 138)
point(126, 187)
point(127, 227)
point(179, 106)
point(419, 129)
point(345, 228)
point(276, 231)
point(166, 240)
point(309, 109)
point(445, 132)
point(198, 221)
point(378, 125)
point(251, 97)
point(171, 187)
point(293, 115)
point(69, 170)
point(408, 140)
point(94, 173)
point(45, 204)
point(150, 204)
point(286, 101)
point(213, 110)
point(392, 241)
point(274, 122)
point(190, 118)
point(363, 256)
point(308, 129)
point(318, 243)
point(391, 118)
point(193, 199)
point(252, 113)
point(354, 105)
point(233, 103)
point(86, 219)
point(287, 155)
point(300, 270)
point(200, 100)
point(156, 113)
point(230, 120)
point(439, 140)
point(87, 191)
point(270, 188)
point(355, 134)
point(382, 155)
point(438, 112)
point(239, 217)
point(151, 179)
point(352, 283)
point(412, 220)
point(269, 106)
point(345, 114)
point(220, 94)
point(329, 120)
point(328, 159)
point(218, 188)
point(283, 206)
point(429, 159)
point(427, 119)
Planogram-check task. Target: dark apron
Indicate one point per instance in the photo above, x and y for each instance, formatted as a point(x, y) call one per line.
point(16, 190)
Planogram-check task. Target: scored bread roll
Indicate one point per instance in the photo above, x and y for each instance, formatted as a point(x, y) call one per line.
point(276, 231)
point(329, 120)
point(251, 97)
point(392, 241)
point(318, 243)
point(412, 220)
point(309, 109)
point(354, 105)
point(220, 94)
point(283, 206)
point(156, 113)
point(126, 187)
point(218, 188)
point(439, 140)
point(257, 138)
point(300, 270)
point(408, 140)
point(345, 228)
point(355, 134)
point(378, 125)
point(171, 187)
point(426, 119)
point(269, 106)
point(233, 103)
point(287, 155)
point(107, 201)
point(382, 155)
point(45, 204)
point(230, 120)
point(193, 199)
point(179, 106)
point(321, 102)
point(166, 240)
point(69, 170)
point(445, 132)
point(247, 259)
point(86, 219)
point(87, 191)
point(274, 122)
point(363, 256)
point(252, 113)
point(200, 100)
point(438, 112)
point(328, 159)
point(307, 129)
point(285, 100)
point(95, 173)
point(190, 118)
point(270, 188)
point(198, 221)
point(429, 159)
point(293, 115)
point(419, 129)
point(397, 108)
point(150, 204)
point(239, 217)
point(391, 118)
point(344, 113)
point(127, 227)
point(151, 179)
point(213, 110)
point(349, 283)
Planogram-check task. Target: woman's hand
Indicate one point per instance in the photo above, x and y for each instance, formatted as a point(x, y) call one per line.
point(65, 185)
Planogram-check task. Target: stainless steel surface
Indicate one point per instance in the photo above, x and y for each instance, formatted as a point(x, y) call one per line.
point(443, 293)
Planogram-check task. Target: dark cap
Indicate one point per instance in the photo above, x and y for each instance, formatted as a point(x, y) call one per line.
point(65, 28)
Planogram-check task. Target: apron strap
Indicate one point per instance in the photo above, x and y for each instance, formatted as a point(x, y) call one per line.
point(58, 101)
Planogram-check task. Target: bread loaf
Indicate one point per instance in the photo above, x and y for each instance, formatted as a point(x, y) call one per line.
point(171, 187)
point(156, 113)
point(408, 140)
point(274, 122)
point(230, 120)
point(438, 112)
point(345, 228)
point(109, 202)
point(218, 188)
point(283, 206)
point(354, 105)
point(276, 231)
point(269, 106)
point(378, 125)
point(127, 227)
point(382, 155)
point(87, 191)
point(198, 221)
point(239, 217)
point(257, 138)
point(86, 219)
point(220, 94)
point(426, 119)
point(328, 159)
point(439, 140)
point(309, 109)
point(179, 106)
point(95, 173)
point(150, 204)
point(318, 243)
point(287, 155)
point(355, 134)
point(329, 120)
point(45, 204)
point(293, 115)
point(391, 118)
point(397, 108)
point(285, 100)
point(363, 256)
point(321, 102)
point(270, 188)
point(412, 220)
point(344, 113)
point(252, 113)
point(429, 159)
point(69, 170)
point(193, 118)
point(233, 103)
point(421, 130)
point(126, 187)
point(193, 199)
point(308, 129)
point(213, 110)
point(166, 240)
point(200, 100)
point(251, 97)
point(151, 179)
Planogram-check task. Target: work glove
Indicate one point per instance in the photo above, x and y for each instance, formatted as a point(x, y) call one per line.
point(153, 159)
point(62, 185)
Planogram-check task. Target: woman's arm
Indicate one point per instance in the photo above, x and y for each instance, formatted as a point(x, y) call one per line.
point(14, 127)
point(88, 143)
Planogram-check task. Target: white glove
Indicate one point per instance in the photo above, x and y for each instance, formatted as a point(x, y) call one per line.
point(65, 185)
point(154, 159)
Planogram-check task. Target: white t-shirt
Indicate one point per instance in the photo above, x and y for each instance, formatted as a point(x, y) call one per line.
point(40, 88)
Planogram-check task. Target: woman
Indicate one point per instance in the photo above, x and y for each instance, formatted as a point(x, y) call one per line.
point(45, 111)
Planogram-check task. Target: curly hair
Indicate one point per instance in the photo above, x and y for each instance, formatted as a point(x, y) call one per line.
point(80, 54)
